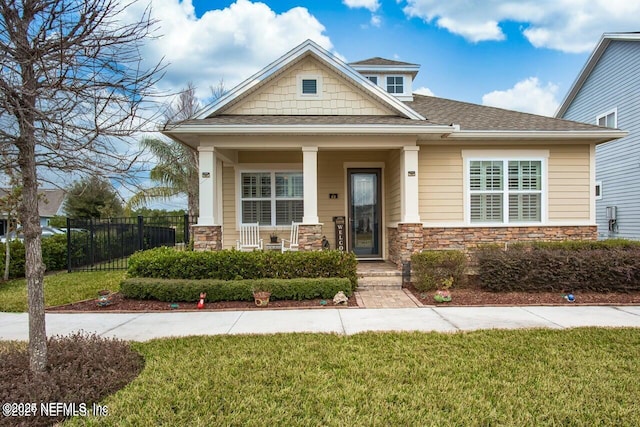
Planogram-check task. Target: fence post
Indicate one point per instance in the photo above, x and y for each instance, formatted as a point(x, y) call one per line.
point(186, 230)
point(140, 232)
point(68, 245)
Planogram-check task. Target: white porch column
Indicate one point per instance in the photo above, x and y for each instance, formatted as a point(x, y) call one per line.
point(410, 203)
point(310, 178)
point(208, 174)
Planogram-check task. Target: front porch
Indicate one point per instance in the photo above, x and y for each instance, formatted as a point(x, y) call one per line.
point(352, 197)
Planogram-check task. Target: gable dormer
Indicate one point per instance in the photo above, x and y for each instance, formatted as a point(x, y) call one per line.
point(395, 77)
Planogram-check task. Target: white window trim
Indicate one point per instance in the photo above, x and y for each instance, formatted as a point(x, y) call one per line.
point(504, 156)
point(309, 96)
point(272, 168)
point(598, 185)
point(615, 117)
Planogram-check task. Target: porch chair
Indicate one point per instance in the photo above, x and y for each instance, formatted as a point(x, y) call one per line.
point(293, 241)
point(249, 237)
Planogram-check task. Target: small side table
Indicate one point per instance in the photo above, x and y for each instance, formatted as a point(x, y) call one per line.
point(273, 246)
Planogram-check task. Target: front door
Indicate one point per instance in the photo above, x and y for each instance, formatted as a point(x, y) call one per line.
point(365, 208)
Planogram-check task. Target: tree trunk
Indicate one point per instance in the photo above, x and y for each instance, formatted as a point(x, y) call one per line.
point(34, 267)
point(29, 216)
point(7, 250)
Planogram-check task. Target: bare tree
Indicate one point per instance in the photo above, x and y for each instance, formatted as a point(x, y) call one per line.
point(72, 89)
point(176, 171)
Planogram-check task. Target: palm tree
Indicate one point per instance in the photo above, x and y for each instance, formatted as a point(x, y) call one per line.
point(175, 173)
point(177, 169)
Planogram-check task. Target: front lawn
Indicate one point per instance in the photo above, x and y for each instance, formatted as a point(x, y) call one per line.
point(586, 376)
point(60, 288)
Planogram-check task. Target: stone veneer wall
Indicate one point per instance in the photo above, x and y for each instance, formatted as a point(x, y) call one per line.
point(207, 237)
point(404, 241)
point(310, 237)
point(410, 238)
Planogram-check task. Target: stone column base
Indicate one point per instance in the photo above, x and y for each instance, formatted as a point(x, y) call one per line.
point(404, 241)
point(207, 237)
point(310, 237)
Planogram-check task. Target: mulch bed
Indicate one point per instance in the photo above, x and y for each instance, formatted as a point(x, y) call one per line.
point(121, 303)
point(474, 296)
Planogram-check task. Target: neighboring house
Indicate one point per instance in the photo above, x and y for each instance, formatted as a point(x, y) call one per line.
point(50, 204)
point(607, 93)
point(311, 139)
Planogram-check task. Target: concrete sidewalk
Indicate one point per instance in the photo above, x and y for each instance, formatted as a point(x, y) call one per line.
point(146, 326)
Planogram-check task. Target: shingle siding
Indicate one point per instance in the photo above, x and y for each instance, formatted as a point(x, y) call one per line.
point(615, 83)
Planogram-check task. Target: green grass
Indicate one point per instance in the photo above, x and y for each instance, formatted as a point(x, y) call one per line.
point(61, 288)
point(580, 377)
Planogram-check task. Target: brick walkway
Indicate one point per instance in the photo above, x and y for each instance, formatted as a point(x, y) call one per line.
point(375, 298)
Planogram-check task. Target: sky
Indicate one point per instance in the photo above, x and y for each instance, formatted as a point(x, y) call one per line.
point(516, 54)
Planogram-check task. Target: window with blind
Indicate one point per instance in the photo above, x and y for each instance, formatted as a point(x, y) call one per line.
point(271, 198)
point(505, 191)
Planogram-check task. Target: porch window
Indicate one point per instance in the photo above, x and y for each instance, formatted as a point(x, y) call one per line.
point(505, 191)
point(271, 198)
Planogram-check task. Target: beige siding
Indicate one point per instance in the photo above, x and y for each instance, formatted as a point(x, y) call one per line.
point(392, 180)
point(441, 184)
point(337, 97)
point(229, 231)
point(569, 185)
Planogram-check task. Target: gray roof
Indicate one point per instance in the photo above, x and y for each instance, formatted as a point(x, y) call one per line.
point(480, 117)
point(50, 201)
point(438, 111)
point(379, 61)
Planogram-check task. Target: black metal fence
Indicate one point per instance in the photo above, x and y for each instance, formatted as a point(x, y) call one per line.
point(106, 244)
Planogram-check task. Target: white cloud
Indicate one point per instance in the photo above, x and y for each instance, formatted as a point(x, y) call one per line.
point(371, 5)
point(527, 95)
point(229, 44)
point(376, 21)
point(424, 91)
point(565, 25)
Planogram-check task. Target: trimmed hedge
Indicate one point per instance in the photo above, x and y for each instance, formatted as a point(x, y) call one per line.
point(564, 267)
point(167, 263)
point(431, 268)
point(54, 255)
point(188, 290)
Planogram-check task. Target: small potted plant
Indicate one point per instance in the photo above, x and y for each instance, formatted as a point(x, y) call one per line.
point(443, 294)
point(273, 237)
point(261, 294)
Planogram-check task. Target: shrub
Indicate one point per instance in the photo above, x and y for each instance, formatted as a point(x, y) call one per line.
point(188, 290)
point(16, 265)
point(433, 268)
point(54, 252)
point(561, 268)
point(81, 369)
point(54, 255)
point(167, 263)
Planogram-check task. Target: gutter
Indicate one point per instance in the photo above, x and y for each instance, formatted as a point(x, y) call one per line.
point(607, 134)
point(310, 129)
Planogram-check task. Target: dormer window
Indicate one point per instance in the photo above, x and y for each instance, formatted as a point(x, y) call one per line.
point(309, 86)
point(374, 79)
point(395, 84)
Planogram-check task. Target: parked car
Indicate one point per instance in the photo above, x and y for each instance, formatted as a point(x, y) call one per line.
point(18, 235)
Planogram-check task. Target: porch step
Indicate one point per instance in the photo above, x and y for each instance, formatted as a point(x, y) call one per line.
point(382, 280)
